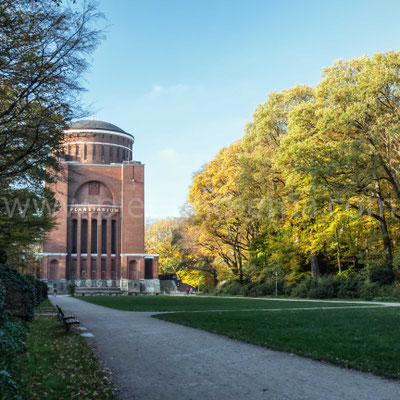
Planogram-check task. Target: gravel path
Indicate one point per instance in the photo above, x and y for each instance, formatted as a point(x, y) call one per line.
point(154, 359)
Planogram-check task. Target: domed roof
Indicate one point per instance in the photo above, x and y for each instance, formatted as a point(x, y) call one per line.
point(95, 124)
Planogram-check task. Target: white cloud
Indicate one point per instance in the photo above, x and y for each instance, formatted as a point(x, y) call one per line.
point(169, 154)
point(157, 89)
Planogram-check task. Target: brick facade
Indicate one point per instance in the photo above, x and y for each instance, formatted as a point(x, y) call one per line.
point(99, 238)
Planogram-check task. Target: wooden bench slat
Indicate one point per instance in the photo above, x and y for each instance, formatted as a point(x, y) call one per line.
point(68, 320)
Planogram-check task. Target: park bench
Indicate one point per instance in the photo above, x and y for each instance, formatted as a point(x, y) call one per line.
point(67, 320)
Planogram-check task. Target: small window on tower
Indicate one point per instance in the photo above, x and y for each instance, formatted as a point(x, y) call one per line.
point(102, 151)
point(85, 152)
point(94, 151)
point(94, 188)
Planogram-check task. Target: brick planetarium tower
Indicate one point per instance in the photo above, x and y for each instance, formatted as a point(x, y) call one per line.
point(98, 242)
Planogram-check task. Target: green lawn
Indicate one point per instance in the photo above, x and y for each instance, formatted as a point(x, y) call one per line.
point(194, 303)
point(58, 366)
point(363, 339)
point(45, 303)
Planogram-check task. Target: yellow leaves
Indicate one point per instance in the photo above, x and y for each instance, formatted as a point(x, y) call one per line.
point(159, 237)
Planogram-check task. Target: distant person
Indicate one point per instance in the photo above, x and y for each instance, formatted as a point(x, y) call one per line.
point(55, 292)
point(188, 291)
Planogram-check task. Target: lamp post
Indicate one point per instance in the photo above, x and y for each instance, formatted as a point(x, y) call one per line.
point(276, 283)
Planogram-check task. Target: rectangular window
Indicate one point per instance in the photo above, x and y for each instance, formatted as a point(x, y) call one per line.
point(94, 272)
point(94, 237)
point(103, 268)
point(148, 268)
point(113, 236)
point(113, 269)
point(85, 152)
point(102, 151)
point(104, 236)
point(84, 233)
point(94, 151)
point(94, 188)
point(74, 236)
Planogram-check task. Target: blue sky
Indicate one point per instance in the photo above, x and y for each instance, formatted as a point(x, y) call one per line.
point(185, 76)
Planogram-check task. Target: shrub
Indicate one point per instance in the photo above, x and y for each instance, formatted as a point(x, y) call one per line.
point(327, 287)
point(12, 335)
point(209, 290)
point(304, 287)
point(266, 288)
point(231, 288)
point(71, 289)
point(350, 287)
point(40, 289)
point(8, 386)
point(370, 290)
point(382, 275)
point(20, 296)
point(3, 315)
point(258, 289)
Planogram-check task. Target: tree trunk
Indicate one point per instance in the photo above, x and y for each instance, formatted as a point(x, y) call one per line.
point(314, 266)
point(385, 235)
point(387, 244)
point(338, 252)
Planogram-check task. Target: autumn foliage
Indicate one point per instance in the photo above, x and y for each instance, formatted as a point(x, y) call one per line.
point(313, 187)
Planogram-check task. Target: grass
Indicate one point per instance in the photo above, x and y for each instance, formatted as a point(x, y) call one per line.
point(363, 339)
point(58, 366)
point(45, 303)
point(194, 303)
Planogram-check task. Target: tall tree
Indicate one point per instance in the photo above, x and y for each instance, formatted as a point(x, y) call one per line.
point(263, 184)
point(176, 241)
point(346, 142)
point(214, 197)
point(44, 46)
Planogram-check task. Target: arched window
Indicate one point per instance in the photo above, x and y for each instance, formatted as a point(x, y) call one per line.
point(53, 269)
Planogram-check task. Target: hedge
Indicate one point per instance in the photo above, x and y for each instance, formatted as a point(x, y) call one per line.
point(19, 294)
